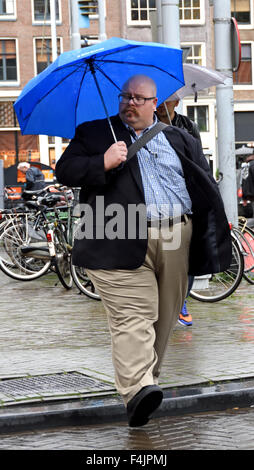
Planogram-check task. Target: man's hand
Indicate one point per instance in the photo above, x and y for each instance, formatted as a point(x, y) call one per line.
point(115, 155)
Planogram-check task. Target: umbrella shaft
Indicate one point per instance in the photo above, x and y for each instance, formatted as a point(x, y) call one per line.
point(91, 65)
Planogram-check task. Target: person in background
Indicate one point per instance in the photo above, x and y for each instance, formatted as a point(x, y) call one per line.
point(34, 177)
point(167, 114)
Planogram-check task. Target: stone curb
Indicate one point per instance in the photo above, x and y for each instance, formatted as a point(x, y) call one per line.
point(96, 413)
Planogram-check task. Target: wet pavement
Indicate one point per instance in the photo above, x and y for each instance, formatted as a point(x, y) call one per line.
point(48, 332)
point(223, 430)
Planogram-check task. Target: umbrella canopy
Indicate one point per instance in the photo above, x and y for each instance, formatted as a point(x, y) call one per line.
point(83, 85)
point(244, 150)
point(198, 78)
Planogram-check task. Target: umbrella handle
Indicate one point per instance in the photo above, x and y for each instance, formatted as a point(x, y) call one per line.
point(91, 65)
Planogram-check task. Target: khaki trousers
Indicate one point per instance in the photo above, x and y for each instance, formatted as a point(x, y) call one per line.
point(142, 306)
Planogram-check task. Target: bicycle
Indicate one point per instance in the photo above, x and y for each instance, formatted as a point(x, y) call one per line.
point(247, 241)
point(24, 251)
point(219, 286)
point(19, 229)
point(55, 248)
point(79, 276)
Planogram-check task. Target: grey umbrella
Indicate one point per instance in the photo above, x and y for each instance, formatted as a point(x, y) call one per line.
point(198, 78)
point(244, 150)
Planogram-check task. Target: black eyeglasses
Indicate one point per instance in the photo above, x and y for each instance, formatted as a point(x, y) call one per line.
point(137, 100)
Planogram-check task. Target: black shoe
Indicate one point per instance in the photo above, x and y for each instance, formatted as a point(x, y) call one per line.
point(142, 405)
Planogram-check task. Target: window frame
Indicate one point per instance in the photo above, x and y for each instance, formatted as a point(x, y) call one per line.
point(242, 86)
point(203, 50)
point(131, 22)
point(12, 83)
point(11, 17)
point(96, 16)
point(41, 22)
point(251, 25)
point(34, 49)
point(208, 119)
point(201, 21)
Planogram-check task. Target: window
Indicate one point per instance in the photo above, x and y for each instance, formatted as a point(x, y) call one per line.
point(191, 11)
point(44, 53)
point(88, 7)
point(42, 10)
point(199, 114)
point(244, 74)
point(7, 115)
point(138, 10)
point(7, 9)
point(8, 62)
point(195, 54)
point(240, 10)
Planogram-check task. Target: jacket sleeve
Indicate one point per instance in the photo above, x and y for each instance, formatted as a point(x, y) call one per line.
point(30, 178)
point(77, 167)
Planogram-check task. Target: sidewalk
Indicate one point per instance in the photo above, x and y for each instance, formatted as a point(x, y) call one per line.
point(55, 366)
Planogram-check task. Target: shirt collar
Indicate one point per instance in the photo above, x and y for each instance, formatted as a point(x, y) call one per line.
point(133, 132)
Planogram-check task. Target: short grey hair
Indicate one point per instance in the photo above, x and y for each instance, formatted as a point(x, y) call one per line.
point(23, 165)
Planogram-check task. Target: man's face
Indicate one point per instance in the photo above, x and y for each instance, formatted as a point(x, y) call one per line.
point(138, 116)
point(24, 169)
point(170, 106)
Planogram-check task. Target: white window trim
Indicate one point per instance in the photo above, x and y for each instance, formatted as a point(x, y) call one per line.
point(208, 138)
point(8, 95)
point(251, 25)
point(203, 103)
point(203, 49)
point(131, 22)
point(244, 106)
point(41, 22)
point(96, 17)
point(34, 49)
point(196, 22)
point(12, 17)
point(248, 87)
point(9, 83)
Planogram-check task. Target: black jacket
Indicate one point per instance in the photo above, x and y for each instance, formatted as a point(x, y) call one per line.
point(82, 164)
point(183, 122)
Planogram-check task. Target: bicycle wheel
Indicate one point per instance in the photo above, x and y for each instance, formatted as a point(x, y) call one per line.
point(249, 276)
point(222, 285)
point(246, 238)
point(83, 283)
point(62, 258)
point(247, 242)
point(12, 262)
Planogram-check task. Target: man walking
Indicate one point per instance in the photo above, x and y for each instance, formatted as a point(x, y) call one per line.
point(141, 279)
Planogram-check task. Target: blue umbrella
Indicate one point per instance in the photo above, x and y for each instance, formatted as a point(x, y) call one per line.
point(83, 85)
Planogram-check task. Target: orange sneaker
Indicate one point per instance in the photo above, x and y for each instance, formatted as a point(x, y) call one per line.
point(185, 317)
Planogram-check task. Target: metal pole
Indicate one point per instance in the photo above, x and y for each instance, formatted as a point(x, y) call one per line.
point(225, 109)
point(53, 29)
point(170, 22)
point(58, 140)
point(102, 27)
point(75, 34)
point(171, 28)
point(159, 22)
